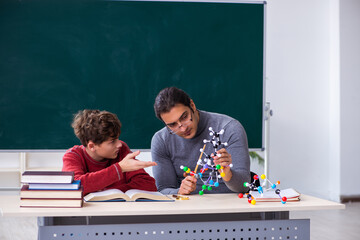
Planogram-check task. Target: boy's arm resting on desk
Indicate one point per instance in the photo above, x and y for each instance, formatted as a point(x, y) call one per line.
point(140, 180)
point(91, 181)
point(238, 148)
point(164, 172)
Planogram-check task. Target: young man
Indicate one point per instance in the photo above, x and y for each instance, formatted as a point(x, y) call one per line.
point(178, 143)
point(103, 161)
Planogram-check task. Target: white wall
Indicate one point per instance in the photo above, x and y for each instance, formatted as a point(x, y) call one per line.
point(313, 69)
point(350, 95)
point(298, 90)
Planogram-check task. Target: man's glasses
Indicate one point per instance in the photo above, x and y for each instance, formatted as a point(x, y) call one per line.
point(185, 120)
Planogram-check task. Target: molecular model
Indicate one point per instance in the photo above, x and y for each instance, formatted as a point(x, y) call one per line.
point(208, 163)
point(260, 189)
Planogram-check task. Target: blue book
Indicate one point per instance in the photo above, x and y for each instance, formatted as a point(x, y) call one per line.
point(75, 185)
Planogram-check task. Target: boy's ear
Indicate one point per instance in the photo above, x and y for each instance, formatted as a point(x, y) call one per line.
point(91, 145)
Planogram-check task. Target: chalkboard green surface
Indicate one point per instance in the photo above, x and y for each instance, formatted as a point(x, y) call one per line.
point(64, 56)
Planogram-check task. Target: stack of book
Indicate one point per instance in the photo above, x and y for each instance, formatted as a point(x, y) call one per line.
point(50, 189)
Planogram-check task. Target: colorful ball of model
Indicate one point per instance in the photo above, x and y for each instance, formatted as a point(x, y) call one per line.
point(215, 171)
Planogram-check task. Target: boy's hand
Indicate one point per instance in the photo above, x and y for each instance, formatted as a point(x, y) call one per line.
point(129, 163)
point(188, 185)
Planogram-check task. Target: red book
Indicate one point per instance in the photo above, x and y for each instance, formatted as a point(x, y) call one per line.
point(47, 177)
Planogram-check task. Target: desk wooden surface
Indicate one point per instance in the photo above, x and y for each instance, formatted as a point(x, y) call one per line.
point(208, 203)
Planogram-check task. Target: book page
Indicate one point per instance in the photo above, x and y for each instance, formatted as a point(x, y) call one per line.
point(136, 193)
point(105, 195)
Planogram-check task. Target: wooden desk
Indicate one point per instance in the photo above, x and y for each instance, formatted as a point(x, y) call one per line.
point(211, 216)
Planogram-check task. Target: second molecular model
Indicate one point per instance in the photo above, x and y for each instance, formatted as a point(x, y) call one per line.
point(260, 189)
point(207, 164)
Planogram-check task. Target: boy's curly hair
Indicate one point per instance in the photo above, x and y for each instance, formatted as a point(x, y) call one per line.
point(95, 125)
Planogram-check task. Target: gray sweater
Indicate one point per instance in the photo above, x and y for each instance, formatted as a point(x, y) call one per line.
point(170, 151)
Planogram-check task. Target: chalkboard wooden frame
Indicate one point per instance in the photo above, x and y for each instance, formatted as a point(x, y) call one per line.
point(61, 57)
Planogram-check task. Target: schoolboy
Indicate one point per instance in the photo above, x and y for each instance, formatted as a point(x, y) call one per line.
point(103, 161)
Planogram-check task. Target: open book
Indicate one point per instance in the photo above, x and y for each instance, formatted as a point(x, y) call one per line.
point(271, 196)
point(132, 195)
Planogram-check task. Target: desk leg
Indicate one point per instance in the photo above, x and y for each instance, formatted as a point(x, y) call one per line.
point(45, 221)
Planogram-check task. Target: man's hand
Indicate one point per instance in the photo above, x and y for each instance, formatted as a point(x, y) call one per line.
point(129, 163)
point(188, 185)
point(224, 160)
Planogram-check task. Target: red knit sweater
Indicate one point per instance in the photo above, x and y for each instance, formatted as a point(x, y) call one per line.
point(107, 174)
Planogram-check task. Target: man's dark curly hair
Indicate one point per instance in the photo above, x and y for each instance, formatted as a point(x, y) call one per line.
point(168, 98)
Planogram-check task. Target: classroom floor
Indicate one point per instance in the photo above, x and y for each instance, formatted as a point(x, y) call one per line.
point(324, 224)
point(333, 224)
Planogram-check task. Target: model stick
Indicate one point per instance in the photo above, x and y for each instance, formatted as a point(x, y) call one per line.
point(197, 165)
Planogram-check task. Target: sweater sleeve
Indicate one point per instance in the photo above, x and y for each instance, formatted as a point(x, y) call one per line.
point(91, 181)
point(238, 148)
point(140, 180)
point(164, 172)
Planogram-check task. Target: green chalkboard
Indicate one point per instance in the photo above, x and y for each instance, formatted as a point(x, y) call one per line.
point(58, 57)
